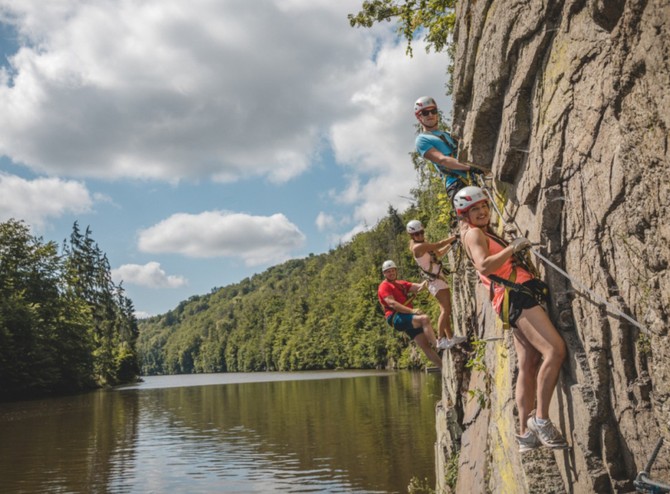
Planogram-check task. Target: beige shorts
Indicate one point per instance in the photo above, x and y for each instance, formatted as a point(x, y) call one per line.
point(436, 285)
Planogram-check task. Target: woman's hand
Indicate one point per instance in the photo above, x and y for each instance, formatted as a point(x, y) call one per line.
point(519, 243)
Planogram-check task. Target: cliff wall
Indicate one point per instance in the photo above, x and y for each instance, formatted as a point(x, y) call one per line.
point(568, 103)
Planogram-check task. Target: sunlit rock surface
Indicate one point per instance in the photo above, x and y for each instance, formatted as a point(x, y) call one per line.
point(569, 104)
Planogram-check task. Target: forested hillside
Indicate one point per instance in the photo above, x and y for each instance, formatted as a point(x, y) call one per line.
point(320, 312)
point(64, 325)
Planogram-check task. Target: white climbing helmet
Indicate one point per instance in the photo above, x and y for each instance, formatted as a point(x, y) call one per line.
point(414, 226)
point(468, 197)
point(388, 265)
point(423, 103)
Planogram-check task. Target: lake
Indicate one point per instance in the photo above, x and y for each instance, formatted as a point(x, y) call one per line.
point(331, 431)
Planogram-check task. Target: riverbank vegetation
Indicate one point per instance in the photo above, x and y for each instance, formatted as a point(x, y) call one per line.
point(64, 325)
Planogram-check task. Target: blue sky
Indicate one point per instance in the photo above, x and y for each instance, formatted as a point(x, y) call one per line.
point(204, 141)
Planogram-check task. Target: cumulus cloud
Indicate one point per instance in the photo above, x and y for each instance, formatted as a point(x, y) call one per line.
point(255, 239)
point(172, 90)
point(225, 91)
point(40, 200)
point(375, 143)
point(149, 275)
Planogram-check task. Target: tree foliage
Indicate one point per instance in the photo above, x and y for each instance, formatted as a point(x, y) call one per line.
point(320, 312)
point(64, 325)
point(435, 18)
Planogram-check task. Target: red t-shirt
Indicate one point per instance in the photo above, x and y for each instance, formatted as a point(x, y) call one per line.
point(398, 289)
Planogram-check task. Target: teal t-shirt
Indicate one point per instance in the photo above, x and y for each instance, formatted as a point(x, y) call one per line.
point(426, 141)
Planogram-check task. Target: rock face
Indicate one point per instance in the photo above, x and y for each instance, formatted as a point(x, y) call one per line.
point(568, 102)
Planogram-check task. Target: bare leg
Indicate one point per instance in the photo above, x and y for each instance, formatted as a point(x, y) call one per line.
point(426, 340)
point(423, 321)
point(526, 383)
point(423, 343)
point(535, 325)
point(444, 321)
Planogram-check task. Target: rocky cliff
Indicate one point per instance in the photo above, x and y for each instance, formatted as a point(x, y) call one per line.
point(568, 103)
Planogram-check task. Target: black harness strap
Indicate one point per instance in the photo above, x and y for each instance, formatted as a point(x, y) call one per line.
point(449, 142)
point(539, 295)
point(434, 261)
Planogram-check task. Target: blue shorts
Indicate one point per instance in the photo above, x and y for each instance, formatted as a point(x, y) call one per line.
point(403, 322)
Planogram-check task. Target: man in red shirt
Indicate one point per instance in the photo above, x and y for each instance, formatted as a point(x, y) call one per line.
point(394, 297)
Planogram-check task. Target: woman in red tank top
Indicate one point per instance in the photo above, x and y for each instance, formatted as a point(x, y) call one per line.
point(540, 348)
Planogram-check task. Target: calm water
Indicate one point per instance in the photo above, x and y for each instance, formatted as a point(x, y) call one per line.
point(348, 432)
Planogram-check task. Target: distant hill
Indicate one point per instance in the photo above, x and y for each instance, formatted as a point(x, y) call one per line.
point(320, 312)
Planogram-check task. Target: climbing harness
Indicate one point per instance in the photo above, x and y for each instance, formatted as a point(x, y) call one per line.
point(461, 176)
point(448, 140)
point(442, 272)
point(539, 293)
point(595, 297)
point(643, 483)
point(430, 274)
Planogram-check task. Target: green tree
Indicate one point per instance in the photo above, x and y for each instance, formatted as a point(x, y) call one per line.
point(435, 17)
point(112, 325)
point(43, 343)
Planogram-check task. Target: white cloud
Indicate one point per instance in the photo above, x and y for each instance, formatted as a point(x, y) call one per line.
point(375, 143)
point(324, 221)
point(149, 275)
point(40, 200)
point(173, 90)
point(255, 239)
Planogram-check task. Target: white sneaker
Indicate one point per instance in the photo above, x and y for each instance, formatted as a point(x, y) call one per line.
point(547, 434)
point(527, 442)
point(446, 344)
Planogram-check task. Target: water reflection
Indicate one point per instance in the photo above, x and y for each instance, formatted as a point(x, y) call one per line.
point(66, 444)
point(363, 434)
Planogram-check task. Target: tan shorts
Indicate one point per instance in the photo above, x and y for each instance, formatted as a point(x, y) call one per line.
point(436, 285)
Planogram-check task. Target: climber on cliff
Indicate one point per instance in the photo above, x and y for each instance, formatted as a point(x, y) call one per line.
point(516, 296)
point(439, 147)
point(394, 297)
point(428, 257)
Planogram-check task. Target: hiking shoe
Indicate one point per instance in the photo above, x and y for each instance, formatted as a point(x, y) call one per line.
point(547, 434)
point(527, 442)
point(446, 344)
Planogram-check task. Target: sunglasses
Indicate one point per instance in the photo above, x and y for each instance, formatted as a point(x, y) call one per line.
point(418, 233)
point(425, 113)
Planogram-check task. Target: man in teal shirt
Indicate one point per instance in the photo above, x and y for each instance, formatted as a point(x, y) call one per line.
point(439, 147)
